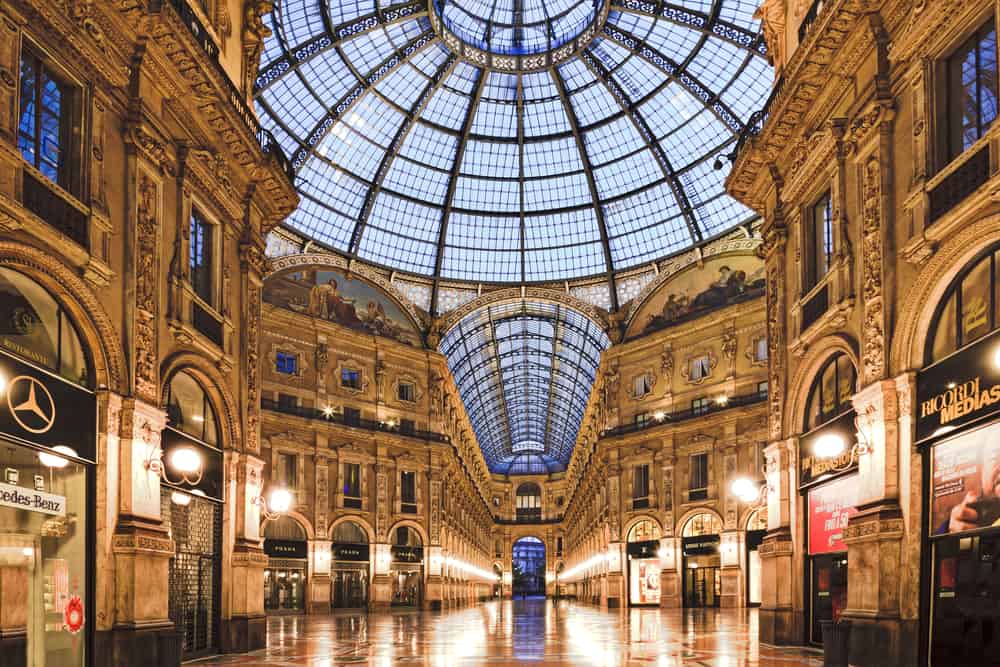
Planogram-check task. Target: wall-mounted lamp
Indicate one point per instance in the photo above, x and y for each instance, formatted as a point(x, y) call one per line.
point(185, 461)
point(833, 445)
point(276, 506)
point(53, 461)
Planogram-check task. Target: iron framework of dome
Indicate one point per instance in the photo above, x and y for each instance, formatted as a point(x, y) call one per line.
point(555, 140)
point(524, 371)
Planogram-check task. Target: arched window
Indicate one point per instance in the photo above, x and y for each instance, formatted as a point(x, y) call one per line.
point(831, 391)
point(705, 523)
point(189, 409)
point(529, 501)
point(644, 531)
point(285, 528)
point(404, 536)
point(33, 325)
point(970, 308)
point(349, 532)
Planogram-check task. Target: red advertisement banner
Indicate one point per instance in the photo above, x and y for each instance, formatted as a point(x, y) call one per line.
point(965, 482)
point(830, 506)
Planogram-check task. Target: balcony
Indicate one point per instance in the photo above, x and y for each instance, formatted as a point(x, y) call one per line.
point(688, 413)
point(354, 422)
point(55, 206)
point(965, 178)
point(268, 144)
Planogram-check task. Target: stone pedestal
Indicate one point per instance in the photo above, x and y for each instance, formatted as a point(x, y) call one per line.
point(670, 589)
point(732, 587)
point(878, 635)
point(142, 632)
point(434, 598)
point(319, 594)
point(614, 590)
point(246, 628)
point(779, 622)
point(381, 592)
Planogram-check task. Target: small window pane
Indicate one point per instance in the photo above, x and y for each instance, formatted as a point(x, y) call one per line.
point(976, 305)
point(287, 363)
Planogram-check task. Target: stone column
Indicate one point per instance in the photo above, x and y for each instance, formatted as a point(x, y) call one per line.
point(142, 630)
point(781, 620)
point(318, 595)
point(670, 574)
point(245, 629)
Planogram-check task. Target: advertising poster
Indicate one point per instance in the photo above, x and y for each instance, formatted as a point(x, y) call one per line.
point(965, 482)
point(830, 506)
point(646, 581)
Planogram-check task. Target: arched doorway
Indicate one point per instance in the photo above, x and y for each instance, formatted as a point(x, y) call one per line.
point(287, 547)
point(643, 547)
point(702, 579)
point(497, 581)
point(192, 511)
point(349, 570)
point(756, 528)
point(529, 502)
point(407, 569)
point(528, 567)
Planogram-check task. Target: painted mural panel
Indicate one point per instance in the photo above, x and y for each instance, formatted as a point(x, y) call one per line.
point(698, 290)
point(350, 302)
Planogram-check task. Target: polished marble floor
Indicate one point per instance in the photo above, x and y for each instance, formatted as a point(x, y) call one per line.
point(522, 631)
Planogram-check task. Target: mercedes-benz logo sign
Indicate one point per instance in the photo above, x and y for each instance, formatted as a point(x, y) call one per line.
point(31, 404)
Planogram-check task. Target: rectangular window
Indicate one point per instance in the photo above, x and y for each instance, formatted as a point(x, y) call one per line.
point(701, 368)
point(972, 90)
point(642, 419)
point(819, 241)
point(641, 386)
point(287, 401)
point(640, 487)
point(45, 125)
point(350, 379)
point(407, 392)
point(559, 546)
point(201, 257)
point(287, 363)
point(408, 492)
point(700, 406)
point(352, 485)
point(760, 349)
point(288, 470)
point(407, 426)
point(698, 487)
point(352, 416)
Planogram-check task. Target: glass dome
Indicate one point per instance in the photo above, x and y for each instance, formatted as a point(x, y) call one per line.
point(556, 140)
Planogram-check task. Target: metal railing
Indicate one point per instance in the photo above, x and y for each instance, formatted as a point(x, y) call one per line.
point(339, 418)
point(688, 413)
point(268, 144)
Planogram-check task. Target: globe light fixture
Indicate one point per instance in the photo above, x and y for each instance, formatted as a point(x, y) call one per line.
point(829, 446)
point(54, 461)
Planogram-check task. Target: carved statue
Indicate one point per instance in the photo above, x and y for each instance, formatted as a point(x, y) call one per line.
point(771, 14)
point(254, 34)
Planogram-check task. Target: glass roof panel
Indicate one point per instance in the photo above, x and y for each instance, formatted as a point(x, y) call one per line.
point(525, 370)
point(408, 152)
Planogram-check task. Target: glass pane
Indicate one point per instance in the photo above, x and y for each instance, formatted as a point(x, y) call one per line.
point(189, 410)
point(976, 302)
point(944, 335)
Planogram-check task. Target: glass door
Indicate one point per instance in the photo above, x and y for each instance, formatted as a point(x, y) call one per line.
point(829, 591)
point(965, 624)
point(350, 589)
point(702, 587)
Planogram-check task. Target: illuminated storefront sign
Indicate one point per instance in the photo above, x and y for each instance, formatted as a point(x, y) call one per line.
point(33, 501)
point(830, 507)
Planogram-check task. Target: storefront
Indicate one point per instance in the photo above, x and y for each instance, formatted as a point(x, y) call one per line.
point(48, 423)
point(191, 508)
point(700, 541)
point(958, 431)
point(828, 482)
point(287, 549)
point(407, 568)
point(349, 573)
point(643, 547)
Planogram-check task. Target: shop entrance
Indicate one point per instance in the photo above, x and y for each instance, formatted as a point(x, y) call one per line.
point(756, 529)
point(528, 565)
point(287, 548)
point(644, 563)
point(830, 505)
point(349, 573)
point(407, 570)
point(700, 544)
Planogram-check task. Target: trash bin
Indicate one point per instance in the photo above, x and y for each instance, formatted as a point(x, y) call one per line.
point(836, 639)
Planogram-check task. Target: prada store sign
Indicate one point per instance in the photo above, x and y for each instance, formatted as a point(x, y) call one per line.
point(353, 552)
point(959, 390)
point(41, 408)
point(408, 554)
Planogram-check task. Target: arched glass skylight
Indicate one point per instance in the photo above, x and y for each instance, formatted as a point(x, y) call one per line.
point(525, 371)
point(559, 139)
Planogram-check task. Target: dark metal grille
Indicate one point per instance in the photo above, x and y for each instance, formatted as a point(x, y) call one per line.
point(195, 572)
point(960, 184)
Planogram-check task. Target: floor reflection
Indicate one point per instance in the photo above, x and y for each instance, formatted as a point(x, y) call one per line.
point(522, 631)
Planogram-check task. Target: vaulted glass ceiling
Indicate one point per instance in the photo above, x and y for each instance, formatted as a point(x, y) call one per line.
point(511, 140)
point(524, 371)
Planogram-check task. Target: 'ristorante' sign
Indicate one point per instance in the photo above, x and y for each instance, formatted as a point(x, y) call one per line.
point(959, 390)
point(33, 501)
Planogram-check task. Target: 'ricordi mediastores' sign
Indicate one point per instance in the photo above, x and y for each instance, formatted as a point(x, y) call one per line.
point(961, 389)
